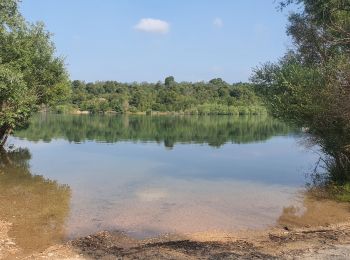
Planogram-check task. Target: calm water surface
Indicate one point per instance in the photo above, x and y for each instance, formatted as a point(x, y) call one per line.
point(149, 175)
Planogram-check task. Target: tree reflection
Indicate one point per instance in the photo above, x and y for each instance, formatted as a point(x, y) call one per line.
point(312, 211)
point(36, 207)
point(212, 130)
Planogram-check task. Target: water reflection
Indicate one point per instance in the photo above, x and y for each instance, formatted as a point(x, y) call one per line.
point(212, 130)
point(36, 207)
point(312, 210)
point(248, 173)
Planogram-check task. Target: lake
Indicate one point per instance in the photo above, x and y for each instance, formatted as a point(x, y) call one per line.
point(71, 175)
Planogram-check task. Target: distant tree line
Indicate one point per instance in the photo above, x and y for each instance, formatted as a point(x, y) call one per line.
point(213, 97)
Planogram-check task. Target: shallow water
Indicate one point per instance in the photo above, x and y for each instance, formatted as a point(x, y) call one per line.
point(149, 175)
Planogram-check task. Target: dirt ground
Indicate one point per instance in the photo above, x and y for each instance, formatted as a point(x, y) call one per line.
point(323, 242)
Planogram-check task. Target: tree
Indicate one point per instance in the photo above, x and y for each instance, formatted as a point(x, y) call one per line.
point(218, 82)
point(30, 74)
point(310, 85)
point(169, 81)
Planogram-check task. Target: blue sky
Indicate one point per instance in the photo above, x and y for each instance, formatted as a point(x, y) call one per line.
point(139, 40)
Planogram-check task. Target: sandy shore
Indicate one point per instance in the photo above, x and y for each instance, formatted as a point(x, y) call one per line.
point(322, 242)
point(321, 230)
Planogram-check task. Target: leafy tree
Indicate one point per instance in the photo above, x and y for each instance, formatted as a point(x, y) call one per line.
point(310, 85)
point(30, 74)
point(169, 81)
point(218, 82)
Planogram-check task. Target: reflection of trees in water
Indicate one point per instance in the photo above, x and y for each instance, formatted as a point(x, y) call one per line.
point(214, 130)
point(36, 207)
point(313, 210)
point(331, 173)
point(335, 159)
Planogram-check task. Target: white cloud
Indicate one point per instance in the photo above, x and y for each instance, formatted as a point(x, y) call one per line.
point(150, 25)
point(218, 23)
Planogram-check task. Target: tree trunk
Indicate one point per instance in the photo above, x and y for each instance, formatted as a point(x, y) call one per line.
point(4, 133)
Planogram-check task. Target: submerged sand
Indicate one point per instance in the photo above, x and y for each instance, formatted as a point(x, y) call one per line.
point(319, 231)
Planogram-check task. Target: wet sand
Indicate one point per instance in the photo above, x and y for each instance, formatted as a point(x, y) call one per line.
point(319, 230)
point(332, 242)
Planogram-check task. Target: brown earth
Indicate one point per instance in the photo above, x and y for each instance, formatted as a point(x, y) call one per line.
point(331, 242)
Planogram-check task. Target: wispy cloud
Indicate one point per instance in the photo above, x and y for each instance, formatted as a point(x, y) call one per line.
point(218, 22)
point(151, 25)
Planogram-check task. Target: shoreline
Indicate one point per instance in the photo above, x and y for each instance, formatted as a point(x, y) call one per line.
point(156, 113)
point(321, 242)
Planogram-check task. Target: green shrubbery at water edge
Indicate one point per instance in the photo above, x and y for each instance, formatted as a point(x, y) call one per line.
point(310, 85)
point(215, 97)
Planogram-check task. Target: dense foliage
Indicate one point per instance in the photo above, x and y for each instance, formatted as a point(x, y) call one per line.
point(30, 74)
point(310, 86)
point(212, 130)
point(214, 97)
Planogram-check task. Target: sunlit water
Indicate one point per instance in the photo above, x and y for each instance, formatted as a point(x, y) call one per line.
point(149, 175)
